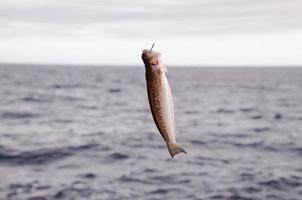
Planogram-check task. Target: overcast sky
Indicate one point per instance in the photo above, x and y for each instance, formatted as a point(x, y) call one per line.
point(187, 32)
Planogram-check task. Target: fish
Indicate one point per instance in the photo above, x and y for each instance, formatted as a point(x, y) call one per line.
point(160, 99)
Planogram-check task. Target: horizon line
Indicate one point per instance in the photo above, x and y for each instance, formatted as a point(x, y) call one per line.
point(136, 65)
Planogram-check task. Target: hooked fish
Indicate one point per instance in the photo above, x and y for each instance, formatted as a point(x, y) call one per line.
point(160, 99)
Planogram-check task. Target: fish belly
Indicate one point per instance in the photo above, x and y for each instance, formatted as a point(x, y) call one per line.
point(161, 104)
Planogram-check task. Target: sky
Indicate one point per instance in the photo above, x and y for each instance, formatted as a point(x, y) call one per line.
point(186, 32)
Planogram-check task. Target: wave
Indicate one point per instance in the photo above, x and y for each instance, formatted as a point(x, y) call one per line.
point(261, 130)
point(114, 90)
point(35, 99)
point(282, 183)
point(257, 117)
point(168, 179)
point(18, 115)
point(118, 156)
point(248, 109)
point(89, 176)
point(164, 191)
point(77, 189)
point(62, 86)
point(225, 111)
point(199, 142)
point(128, 179)
point(42, 156)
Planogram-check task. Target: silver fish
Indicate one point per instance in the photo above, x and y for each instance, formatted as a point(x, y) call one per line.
point(160, 99)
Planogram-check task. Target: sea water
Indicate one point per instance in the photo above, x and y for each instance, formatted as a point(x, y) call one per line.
point(80, 132)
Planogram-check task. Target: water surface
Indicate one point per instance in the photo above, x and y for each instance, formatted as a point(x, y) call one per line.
point(87, 133)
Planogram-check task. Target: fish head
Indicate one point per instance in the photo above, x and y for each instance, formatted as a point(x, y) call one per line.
point(151, 60)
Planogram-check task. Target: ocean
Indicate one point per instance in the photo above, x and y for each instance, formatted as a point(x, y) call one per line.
point(83, 132)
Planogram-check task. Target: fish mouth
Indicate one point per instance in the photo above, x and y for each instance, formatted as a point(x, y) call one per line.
point(151, 59)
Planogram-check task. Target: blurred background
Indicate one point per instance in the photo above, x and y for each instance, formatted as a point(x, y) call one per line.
point(193, 32)
point(74, 115)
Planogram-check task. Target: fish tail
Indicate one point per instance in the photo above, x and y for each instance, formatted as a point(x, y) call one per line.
point(175, 148)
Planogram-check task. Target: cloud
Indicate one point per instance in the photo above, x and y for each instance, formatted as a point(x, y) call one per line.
point(142, 18)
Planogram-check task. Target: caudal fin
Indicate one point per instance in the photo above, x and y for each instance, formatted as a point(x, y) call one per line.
point(175, 148)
